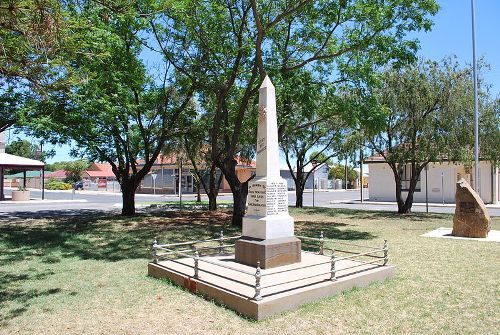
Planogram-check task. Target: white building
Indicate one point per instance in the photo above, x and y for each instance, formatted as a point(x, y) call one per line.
point(320, 176)
point(439, 181)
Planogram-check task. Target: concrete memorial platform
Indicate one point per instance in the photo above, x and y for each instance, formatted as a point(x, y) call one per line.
point(267, 273)
point(281, 289)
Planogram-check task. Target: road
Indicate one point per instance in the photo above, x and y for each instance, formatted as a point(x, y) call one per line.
point(84, 200)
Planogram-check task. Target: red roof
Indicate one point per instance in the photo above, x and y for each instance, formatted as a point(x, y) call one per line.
point(56, 174)
point(102, 174)
point(102, 170)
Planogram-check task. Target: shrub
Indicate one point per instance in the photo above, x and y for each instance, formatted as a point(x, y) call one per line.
point(53, 184)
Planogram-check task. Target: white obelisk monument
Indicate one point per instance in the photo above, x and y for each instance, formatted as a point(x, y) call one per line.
point(268, 229)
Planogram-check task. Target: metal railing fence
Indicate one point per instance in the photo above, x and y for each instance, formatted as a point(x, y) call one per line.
point(374, 256)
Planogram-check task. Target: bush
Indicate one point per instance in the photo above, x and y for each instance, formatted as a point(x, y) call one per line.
point(58, 185)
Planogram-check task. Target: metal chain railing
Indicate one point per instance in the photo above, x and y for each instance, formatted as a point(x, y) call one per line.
point(221, 248)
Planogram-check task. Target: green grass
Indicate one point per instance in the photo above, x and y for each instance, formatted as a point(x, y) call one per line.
point(87, 275)
point(186, 202)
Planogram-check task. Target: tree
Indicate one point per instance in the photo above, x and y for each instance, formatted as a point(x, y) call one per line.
point(428, 106)
point(229, 45)
point(23, 148)
point(116, 113)
point(74, 170)
point(32, 36)
point(312, 118)
point(337, 171)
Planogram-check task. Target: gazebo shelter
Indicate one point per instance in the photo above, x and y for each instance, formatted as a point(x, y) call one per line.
point(12, 162)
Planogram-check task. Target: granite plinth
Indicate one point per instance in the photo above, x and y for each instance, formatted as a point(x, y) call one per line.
point(270, 253)
point(283, 291)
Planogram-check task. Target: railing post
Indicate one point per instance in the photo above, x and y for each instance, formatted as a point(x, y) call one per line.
point(155, 252)
point(196, 260)
point(321, 244)
point(386, 252)
point(221, 242)
point(332, 269)
point(257, 295)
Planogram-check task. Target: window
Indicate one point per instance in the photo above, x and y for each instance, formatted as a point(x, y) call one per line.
point(406, 177)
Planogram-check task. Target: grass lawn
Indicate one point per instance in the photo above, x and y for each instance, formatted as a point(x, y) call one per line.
point(87, 275)
point(185, 202)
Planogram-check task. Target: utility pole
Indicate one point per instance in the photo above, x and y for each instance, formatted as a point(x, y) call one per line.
point(477, 182)
point(361, 172)
point(345, 173)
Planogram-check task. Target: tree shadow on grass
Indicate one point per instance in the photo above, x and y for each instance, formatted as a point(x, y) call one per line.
point(11, 293)
point(103, 236)
point(364, 214)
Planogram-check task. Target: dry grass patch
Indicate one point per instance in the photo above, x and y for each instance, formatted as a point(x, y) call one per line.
point(87, 275)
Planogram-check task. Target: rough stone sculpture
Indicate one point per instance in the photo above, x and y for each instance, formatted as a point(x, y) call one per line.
point(471, 217)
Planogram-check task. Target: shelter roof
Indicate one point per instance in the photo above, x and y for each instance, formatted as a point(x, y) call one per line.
point(20, 163)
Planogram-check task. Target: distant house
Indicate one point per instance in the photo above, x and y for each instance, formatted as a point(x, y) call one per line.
point(319, 178)
point(166, 169)
point(58, 174)
point(441, 180)
point(100, 176)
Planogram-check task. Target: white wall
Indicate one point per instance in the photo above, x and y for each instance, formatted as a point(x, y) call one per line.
point(383, 187)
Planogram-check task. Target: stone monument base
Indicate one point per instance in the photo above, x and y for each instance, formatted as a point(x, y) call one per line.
point(270, 252)
point(301, 285)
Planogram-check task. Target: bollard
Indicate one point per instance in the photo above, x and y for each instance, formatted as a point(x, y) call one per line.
point(386, 252)
point(155, 252)
point(221, 242)
point(257, 295)
point(321, 244)
point(332, 269)
point(196, 260)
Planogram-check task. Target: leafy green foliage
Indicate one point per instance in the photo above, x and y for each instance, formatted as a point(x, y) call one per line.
point(115, 113)
point(23, 148)
point(428, 108)
point(74, 170)
point(337, 171)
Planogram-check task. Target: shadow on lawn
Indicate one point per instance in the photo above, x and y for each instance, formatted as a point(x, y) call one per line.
point(10, 292)
point(101, 235)
point(364, 215)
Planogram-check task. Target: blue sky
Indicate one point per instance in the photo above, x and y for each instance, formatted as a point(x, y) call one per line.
point(451, 35)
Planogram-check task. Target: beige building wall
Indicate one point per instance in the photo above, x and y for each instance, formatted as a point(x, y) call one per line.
point(442, 178)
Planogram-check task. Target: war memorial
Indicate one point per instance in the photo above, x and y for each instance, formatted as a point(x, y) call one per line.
point(265, 271)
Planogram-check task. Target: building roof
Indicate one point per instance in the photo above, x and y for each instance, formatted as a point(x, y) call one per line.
point(29, 174)
point(100, 174)
point(16, 162)
point(56, 174)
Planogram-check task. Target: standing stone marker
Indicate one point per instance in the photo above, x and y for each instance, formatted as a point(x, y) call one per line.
point(471, 217)
point(268, 229)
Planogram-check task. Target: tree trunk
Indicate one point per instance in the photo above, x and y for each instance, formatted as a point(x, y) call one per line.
point(299, 188)
point(404, 206)
point(239, 203)
point(198, 192)
point(213, 189)
point(128, 197)
point(299, 196)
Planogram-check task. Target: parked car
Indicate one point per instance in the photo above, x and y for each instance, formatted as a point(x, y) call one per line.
point(78, 185)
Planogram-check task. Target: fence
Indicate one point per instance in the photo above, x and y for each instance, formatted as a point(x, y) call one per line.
point(375, 255)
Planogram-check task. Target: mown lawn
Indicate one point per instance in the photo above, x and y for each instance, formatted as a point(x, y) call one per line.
point(86, 274)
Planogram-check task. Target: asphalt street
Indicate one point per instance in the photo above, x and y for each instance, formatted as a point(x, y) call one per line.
point(104, 201)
